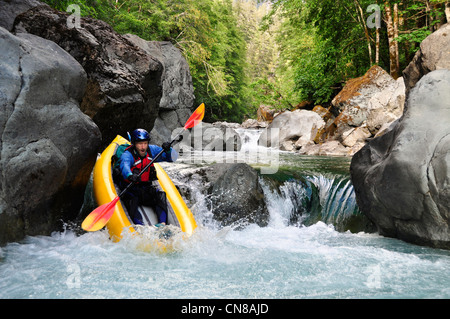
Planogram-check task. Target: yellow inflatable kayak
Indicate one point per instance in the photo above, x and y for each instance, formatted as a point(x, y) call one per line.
point(105, 191)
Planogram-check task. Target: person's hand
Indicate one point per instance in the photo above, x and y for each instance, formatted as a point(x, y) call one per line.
point(134, 178)
point(166, 147)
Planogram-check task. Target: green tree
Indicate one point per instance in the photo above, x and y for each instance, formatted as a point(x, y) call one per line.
point(328, 42)
point(204, 30)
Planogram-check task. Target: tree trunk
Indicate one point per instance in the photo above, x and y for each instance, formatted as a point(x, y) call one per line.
point(397, 61)
point(377, 47)
point(447, 11)
point(393, 47)
point(360, 15)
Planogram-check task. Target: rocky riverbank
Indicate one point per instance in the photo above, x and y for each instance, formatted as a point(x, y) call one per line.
point(65, 92)
point(361, 111)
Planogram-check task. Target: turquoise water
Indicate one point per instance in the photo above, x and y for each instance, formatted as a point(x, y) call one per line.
point(304, 252)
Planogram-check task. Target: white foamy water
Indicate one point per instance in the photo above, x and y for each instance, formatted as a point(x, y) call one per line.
point(282, 260)
point(268, 262)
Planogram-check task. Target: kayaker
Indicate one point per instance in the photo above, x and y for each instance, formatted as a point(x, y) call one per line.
point(143, 191)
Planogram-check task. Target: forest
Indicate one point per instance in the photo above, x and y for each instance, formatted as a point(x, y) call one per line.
point(283, 54)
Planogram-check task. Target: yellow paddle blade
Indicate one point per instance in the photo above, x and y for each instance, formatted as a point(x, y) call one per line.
point(196, 117)
point(99, 216)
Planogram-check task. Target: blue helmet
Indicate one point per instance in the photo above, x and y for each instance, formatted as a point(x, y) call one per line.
point(139, 135)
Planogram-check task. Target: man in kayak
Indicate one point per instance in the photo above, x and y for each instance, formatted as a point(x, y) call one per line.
point(134, 159)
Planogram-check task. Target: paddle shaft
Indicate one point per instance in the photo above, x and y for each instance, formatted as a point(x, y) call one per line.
point(150, 164)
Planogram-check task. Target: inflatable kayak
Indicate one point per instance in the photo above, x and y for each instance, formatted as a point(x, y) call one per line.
point(105, 191)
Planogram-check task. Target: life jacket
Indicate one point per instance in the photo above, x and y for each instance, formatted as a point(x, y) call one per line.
point(140, 163)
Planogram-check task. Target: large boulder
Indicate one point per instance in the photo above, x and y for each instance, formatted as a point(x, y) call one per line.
point(124, 85)
point(373, 100)
point(210, 137)
point(401, 178)
point(292, 130)
point(230, 193)
point(48, 146)
point(177, 98)
point(434, 54)
point(237, 196)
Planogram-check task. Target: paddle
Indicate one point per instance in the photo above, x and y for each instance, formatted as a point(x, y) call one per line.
point(98, 218)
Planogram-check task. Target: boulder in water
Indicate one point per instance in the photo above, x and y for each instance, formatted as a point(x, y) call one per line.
point(236, 196)
point(402, 179)
point(48, 146)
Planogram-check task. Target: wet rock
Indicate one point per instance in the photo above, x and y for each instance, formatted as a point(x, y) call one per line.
point(401, 178)
point(237, 196)
point(230, 191)
point(48, 146)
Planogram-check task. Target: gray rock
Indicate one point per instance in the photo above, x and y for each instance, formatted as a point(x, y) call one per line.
point(210, 137)
point(401, 178)
point(231, 192)
point(124, 85)
point(177, 98)
point(48, 146)
point(237, 196)
point(10, 9)
point(434, 54)
point(290, 128)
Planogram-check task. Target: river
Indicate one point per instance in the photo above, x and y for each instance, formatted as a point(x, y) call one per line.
point(311, 248)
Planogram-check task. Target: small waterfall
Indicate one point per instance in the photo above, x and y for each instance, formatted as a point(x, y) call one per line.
point(336, 203)
point(249, 139)
point(307, 198)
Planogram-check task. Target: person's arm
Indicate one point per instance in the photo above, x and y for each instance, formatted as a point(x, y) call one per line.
point(126, 162)
point(170, 156)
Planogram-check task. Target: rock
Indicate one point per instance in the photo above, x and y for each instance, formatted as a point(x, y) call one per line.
point(290, 128)
point(374, 98)
point(329, 148)
point(232, 193)
point(252, 123)
point(433, 55)
point(48, 146)
point(223, 124)
point(177, 98)
point(265, 113)
point(237, 196)
point(401, 178)
point(355, 135)
point(210, 137)
point(124, 83)
point(10, 9)
point(386, 106)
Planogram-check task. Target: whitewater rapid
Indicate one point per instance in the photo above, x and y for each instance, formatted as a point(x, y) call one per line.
point(290, 258)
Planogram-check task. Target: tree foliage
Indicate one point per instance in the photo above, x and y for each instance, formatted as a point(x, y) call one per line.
point(204, 30)
point(330, 41)
point(244, 53)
